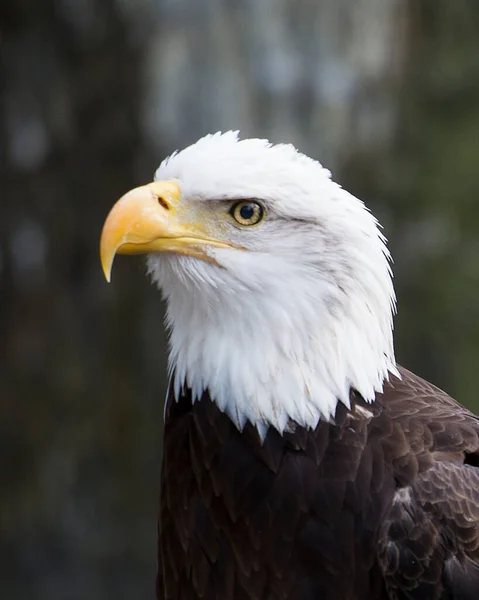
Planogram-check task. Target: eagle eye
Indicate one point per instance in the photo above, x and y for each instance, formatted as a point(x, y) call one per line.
point(247, 212)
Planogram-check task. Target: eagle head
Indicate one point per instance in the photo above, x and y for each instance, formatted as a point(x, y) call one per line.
point(277, 281)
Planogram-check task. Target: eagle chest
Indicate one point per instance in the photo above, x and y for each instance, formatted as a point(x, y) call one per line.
point(273, 520)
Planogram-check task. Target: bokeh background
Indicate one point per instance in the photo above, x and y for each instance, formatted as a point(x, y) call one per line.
point(94, 93)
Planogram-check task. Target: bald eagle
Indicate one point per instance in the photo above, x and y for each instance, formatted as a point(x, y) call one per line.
point(299, 461)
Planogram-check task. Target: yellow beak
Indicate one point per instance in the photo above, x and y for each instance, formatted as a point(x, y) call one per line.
point(146, 220)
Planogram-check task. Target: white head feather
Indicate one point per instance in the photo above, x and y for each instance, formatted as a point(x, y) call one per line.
point(279, 332)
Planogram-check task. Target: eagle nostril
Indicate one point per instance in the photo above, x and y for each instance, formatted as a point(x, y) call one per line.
point(162, 202)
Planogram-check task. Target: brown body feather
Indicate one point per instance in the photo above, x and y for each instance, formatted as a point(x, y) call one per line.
point(381, 505)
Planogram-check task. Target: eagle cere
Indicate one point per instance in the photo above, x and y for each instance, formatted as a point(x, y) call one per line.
point(299, 462)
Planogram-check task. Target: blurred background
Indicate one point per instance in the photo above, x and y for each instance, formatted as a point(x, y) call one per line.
point(94, 93)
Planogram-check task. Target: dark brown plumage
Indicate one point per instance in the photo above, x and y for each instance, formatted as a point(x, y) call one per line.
point(382, 504)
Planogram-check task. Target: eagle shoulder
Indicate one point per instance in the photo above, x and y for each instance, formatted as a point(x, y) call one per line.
point(430, 543)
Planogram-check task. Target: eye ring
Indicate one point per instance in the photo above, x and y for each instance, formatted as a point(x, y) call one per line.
point(247, 212)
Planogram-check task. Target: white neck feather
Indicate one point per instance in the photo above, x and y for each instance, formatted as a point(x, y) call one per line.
point(285, 355)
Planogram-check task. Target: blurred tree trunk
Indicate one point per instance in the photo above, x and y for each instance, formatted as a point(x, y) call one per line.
point(93, 95)
point(79, 433)
point(319, 74)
